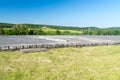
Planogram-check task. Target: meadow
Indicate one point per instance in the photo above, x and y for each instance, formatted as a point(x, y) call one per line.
point(87, 63)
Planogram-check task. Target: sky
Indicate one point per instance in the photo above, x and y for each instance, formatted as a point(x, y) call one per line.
point(82, 13)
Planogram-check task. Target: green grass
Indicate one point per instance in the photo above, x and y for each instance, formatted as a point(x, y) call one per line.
point(88, 63)
point(62, 31)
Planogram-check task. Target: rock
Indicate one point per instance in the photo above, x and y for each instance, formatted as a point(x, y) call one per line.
point(33, 50)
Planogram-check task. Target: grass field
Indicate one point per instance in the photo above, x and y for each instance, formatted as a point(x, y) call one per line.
point(62, 31)
point(88, 63)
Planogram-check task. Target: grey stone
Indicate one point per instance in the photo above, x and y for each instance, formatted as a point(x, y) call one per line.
point(33, 50)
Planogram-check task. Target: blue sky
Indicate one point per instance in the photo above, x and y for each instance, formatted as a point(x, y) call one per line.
point(100, 13)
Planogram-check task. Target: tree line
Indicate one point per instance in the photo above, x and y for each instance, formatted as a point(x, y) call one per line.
point(22, 29)
point(101, 32)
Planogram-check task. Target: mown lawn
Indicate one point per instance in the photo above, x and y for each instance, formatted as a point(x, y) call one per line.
point(88, 63)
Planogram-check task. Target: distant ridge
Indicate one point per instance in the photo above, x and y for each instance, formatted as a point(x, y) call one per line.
point(10, 25)
point(6, 25)
point(115, 28)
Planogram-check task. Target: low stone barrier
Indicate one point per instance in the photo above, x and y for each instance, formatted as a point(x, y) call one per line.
point(53, 45)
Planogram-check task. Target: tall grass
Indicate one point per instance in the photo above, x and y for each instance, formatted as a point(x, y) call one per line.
point(88, 63)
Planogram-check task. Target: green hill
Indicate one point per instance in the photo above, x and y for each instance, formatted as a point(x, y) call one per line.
point(43, 29)
point(10, 25)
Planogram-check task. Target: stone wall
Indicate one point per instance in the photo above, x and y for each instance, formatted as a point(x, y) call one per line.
point(53, 45)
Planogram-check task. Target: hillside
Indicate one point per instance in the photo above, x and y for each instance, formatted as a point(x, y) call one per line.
point(10, 25)
point(42, 29)
point(6, 25)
